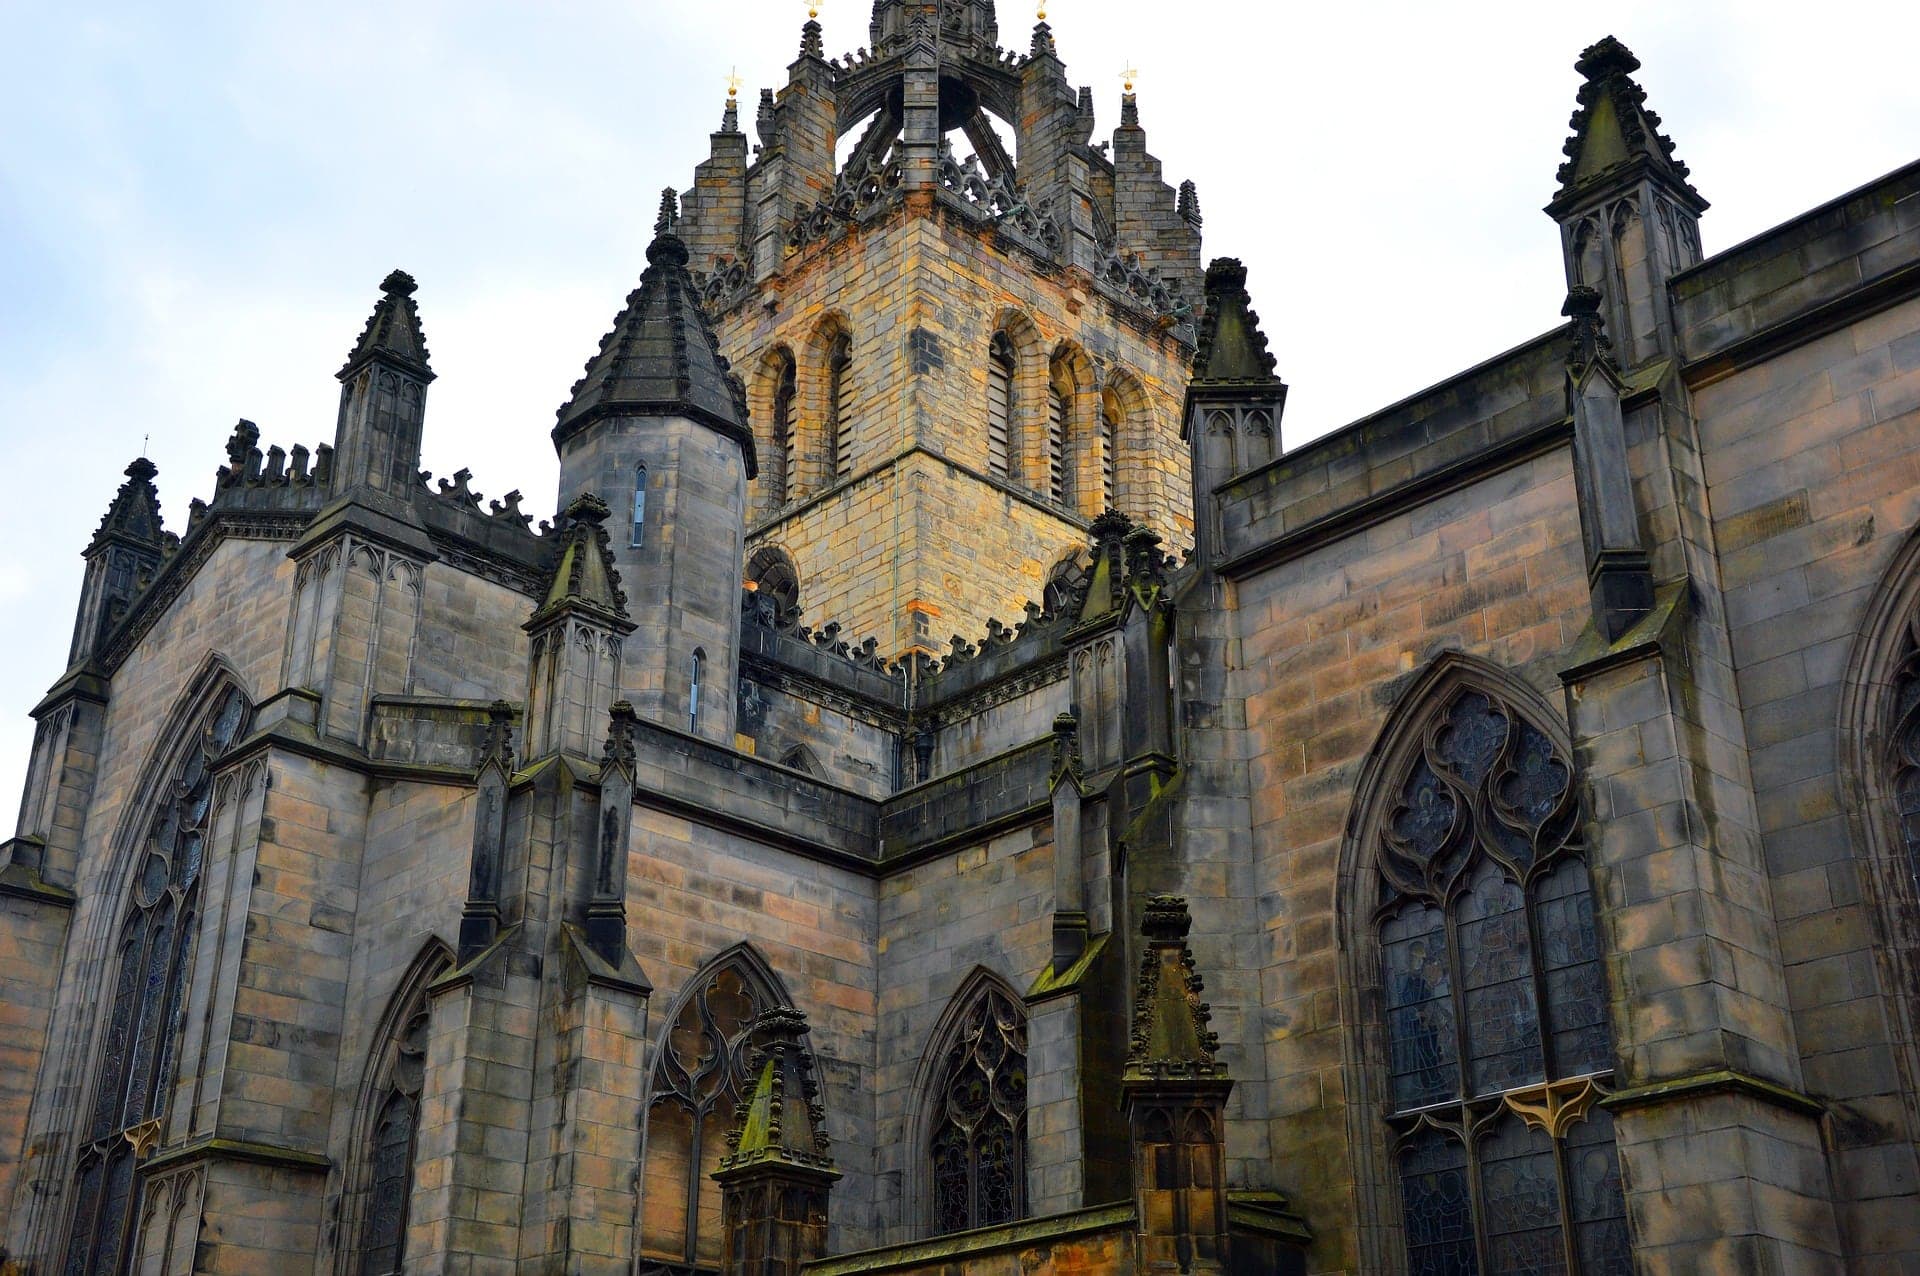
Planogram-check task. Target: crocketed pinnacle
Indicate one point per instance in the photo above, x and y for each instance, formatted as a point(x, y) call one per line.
point(135, 511)
point(780, 1122)
point(393, 331)
point(584, 577)
point(1233, 350)
point(660, 357)
point(1170, 1040)
point(1613, 128)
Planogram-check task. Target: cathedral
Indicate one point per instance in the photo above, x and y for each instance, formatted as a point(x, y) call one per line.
point(949, 793)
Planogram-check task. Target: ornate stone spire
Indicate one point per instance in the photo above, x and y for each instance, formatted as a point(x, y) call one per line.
point(584, 576)
point(1233, 350)
point(1170, 1039)
point(393, 331)
point(1614, 130)
point(660, 358)
point(1189, 204)
point(810, 45)
point(135, 510)
point(781, 1121)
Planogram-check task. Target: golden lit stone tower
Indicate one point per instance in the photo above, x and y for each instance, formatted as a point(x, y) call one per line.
point(953, 365)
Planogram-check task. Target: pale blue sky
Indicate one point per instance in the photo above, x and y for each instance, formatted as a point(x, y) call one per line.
point(198, 201)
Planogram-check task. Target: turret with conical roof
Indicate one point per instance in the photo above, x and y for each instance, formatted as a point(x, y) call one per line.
point(654, 443)
point(1629, 218)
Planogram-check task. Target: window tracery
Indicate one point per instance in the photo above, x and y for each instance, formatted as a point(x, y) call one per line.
point(701, 1074)
point(1903, 738)
point(977, 1150)
point(141, 1029)
point(1495, 1004)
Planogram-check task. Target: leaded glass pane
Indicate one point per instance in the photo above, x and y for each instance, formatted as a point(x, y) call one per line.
point(1421, 1043)
point(1472, 738)
point(1437, 1209)
point(1570, 960)
point(1520, 1193)
point(977, 1153)
point(390, 1184)
point(1502, 1024)
point(1599, 1205)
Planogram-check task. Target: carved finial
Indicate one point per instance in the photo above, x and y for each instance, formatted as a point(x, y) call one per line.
point(668, 222)
point(621, 721)
point(241, 442)
point(1129, 110)
point(499, 743)
point(730, 117)
point(1590, 341)
point(1043, 46)
point(1189, 205)
point(810, 46)
point(398, 283)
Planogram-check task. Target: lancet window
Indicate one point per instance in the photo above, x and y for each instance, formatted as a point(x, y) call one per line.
point(701, 1074)
point(977, 1151)
point(696, 673)
point(1000, 374)
point(1496, 1006)
point(639, 536)
point(1904, 741)
point(395, 1078)
point(1059, 420)
point(840, 404)
point(135, 1071)
point(780, 453)
point(1109, 440)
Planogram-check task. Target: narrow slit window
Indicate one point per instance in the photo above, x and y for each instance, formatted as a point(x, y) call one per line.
point(639, 537)
point(1058, 411)
point(693, 692)
point(840, 404)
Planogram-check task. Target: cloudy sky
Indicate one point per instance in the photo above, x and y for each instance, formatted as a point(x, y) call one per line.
point(198, 201)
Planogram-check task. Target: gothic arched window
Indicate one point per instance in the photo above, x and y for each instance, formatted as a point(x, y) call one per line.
point(1000, 371)
point(784, 390)
point(701, 1073)
point(773, 573)
point(977, 1142)
point(1903, 737)
point(639, 537)
point(135, 1071)
point(1496, 1005)
point(390, 1108)
point(840, 404)
point(1059, 426)
point(1110, 414)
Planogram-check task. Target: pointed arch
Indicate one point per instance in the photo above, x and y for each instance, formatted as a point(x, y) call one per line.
point(145, 929)
point(1071, 463)
point(1016, 362)
point(1879, 777)
point(699, 1074)
point(774, 404)
point(968, 1143)
point(829, 404)
point(1473, 983)
point(379, 1179)
point(1127, 433)
point(772, 572)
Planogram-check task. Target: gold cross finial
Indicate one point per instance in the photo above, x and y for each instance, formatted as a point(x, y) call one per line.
point(1128, 76)
point(734, 82)
point(813, 8)
point(1042, 15)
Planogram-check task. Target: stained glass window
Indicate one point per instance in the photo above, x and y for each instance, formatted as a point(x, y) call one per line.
point(399, 1073)
point(977, 1153)
point(1904, 735)
point(135, 1071)
point(1498, 1044)
point(700, 1076)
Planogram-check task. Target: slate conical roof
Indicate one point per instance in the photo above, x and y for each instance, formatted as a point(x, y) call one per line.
point(1233, 351)
point(135, 511)
point(393, 331)
point(660, 358)
point(1614, 130)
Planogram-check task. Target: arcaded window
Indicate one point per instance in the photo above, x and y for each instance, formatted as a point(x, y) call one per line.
point(1109, 441)
point(840, 404)
point(700, 1075)
point(1496, 1006)
point(390, 1112)
point(639, 536)
point(1000, 370)
point(1059, 423)
point(142, 1018)
point(977, 1149)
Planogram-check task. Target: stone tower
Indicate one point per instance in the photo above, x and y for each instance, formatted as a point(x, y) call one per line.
point(997, 341)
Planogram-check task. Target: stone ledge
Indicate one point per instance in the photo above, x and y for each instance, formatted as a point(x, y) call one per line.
point(1720, 1081)
point(959, 1246)
point(218, 1149)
